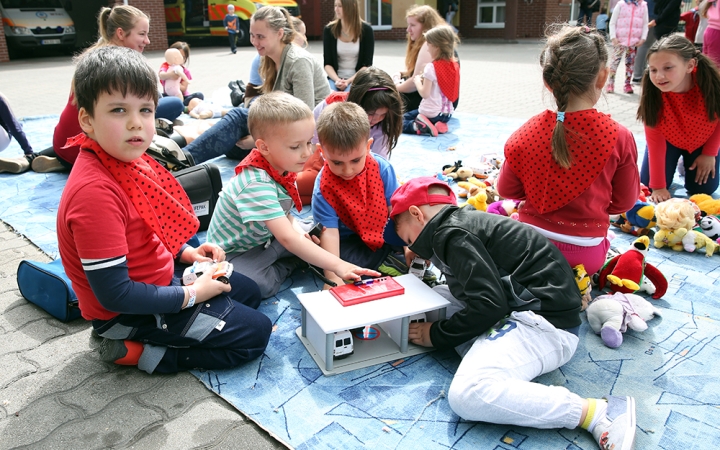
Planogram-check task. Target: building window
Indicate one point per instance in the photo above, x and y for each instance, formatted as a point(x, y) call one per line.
point(490, 14)
point(379, 14)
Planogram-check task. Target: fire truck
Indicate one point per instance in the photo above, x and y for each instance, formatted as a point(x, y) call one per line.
point(200, 18)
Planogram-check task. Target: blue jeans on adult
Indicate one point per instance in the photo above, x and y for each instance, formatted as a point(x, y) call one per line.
point(220, 333)
point(169, 108)
point(585, 13)
point(672, 155)
point(220, 139)
point(410, 116)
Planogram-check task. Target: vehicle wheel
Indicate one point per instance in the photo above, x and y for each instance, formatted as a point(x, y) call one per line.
point(243, 34)
point(224, 280)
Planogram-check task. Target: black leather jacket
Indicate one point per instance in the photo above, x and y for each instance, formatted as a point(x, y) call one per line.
point(496, 265)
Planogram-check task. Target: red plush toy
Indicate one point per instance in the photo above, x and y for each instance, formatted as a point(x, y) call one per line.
point(626, 272)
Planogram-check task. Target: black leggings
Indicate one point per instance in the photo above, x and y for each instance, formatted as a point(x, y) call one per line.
point(50, 152)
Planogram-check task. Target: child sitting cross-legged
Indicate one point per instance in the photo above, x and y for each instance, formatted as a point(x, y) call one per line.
point(514, 316)
point(352, 192)
point(251, 221)
point(123, 224)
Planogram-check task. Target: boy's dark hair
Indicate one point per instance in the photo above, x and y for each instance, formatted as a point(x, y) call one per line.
point(342, 127)
point(373, 89)
point(571, 61)
point(112, 69)
point(707, 78)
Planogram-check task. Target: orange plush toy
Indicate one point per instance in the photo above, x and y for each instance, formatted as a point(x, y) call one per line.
point(624, 273)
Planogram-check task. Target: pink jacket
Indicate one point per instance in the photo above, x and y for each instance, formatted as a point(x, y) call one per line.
point(629, 23)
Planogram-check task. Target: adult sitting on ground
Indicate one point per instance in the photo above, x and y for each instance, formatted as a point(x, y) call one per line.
point(122, 26)
point(420, 18)
point(348, 45)
point(284, 67)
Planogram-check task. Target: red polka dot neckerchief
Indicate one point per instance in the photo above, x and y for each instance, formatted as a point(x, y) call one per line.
point(156, 194)
point(448, 77)
point(591, 138)
point(337, 97)
point(257, 160)
point(360, 202)
point(683, 119)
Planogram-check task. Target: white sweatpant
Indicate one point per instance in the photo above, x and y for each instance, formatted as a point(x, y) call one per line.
point(493, 382)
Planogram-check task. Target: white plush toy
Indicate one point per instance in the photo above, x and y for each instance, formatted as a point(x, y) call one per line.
point(611, 315)
point(207, 110)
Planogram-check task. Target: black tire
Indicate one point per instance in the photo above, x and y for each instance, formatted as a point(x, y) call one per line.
point(223, 280)
point(243, 34)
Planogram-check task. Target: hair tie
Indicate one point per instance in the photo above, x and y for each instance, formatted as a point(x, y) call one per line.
point(379, 89)
point(587, 30)
point(561, 116)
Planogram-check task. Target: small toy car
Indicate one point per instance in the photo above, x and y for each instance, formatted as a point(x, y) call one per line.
point(417, 267)
point(223, 270)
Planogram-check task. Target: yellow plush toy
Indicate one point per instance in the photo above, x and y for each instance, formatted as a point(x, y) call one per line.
point(694, 241)
point(475, 191)
point(707, 204)
point(478, 201)
point(670, 238)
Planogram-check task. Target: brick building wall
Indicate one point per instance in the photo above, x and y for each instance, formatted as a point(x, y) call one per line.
point(533, 16)
point(4, 56)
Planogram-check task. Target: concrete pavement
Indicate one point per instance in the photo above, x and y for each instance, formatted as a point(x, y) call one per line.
point(54, 391)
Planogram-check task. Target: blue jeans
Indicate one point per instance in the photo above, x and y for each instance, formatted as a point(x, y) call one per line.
point(410, 116)
point(190, 338)
point(221, 137)
point(169, 108)
point(672, 155)
point(232, 37)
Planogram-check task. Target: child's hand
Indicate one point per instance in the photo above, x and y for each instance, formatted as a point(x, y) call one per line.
point(704, 166)
point(209, 252)
point(651, 23)
point(419, 334)
point(659, 195)
point(418, 79)
point(207, 288)
point(614, 41)
point(347, 271)
point(409, 256)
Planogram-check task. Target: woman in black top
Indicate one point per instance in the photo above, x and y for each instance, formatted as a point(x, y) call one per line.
point(667, 17)
point(348, 45)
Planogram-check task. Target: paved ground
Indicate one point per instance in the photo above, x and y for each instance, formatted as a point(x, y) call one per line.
point(55, 393)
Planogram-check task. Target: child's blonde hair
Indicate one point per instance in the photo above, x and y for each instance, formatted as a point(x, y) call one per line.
point(123, 17)
point(571, 62)
point(444, 38)
point(276, 19)
point(342, 127)
point(429, 18)
point(275, 110)
point(707, 78)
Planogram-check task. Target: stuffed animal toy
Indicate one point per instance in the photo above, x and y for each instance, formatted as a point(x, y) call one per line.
point(710, 227)
point(583, 281)
point(694, 240)
point(707, 204)
point(626, 272)
point(207, 110)
point(175, 59)
point(638, 221)
point(503, 207)
point(457, 172)
point(611, 315)
point(670, 238)
point(471, 187)
point(478, 201)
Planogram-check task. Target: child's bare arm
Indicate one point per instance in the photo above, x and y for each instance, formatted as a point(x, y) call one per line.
point(294, 242)
point(330, 241)
point(423, 85)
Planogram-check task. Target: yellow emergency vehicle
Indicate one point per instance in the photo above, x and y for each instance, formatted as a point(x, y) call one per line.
point(190, 18)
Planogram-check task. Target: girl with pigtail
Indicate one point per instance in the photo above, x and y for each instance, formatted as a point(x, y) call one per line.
point(574, 167)
point(680, 107)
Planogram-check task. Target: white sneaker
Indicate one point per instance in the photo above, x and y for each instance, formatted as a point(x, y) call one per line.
point(616, 431)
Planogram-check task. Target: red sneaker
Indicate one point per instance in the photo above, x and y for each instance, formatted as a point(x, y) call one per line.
point(424, 126)
point(441, 127)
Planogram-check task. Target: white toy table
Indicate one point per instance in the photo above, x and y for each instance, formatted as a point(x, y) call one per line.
point(323, 315)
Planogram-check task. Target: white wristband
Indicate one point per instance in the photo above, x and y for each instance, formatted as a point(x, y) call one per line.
point(193, 296)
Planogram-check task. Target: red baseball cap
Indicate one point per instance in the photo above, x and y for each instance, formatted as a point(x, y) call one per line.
point(415, 192)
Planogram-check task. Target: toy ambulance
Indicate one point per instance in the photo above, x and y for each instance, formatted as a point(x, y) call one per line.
point(223, 270)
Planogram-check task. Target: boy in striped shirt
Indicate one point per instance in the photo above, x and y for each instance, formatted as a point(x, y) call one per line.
point(252, 220)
